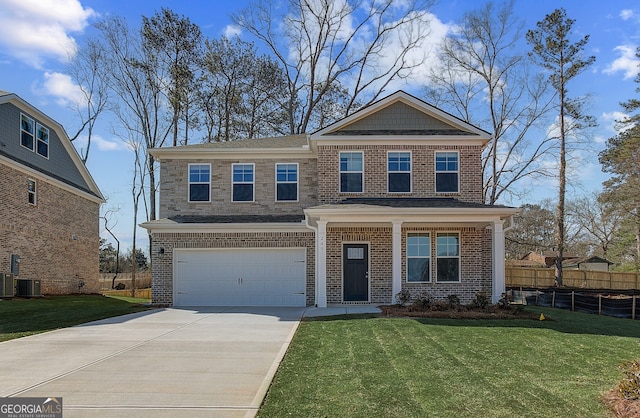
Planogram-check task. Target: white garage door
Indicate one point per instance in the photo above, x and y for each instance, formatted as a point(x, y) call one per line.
point(240, 277)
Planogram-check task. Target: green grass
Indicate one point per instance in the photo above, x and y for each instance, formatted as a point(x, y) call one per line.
point(22, 317)
point(396, 367)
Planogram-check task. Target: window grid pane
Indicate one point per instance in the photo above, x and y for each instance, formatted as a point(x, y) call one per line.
point(351, 172)
point(26, 132)
point(448, 259)
point(243, 177)
point(418, 257)
point(199, 182)
point(447, 172)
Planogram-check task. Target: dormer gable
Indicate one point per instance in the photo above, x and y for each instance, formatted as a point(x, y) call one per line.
point(402, 116)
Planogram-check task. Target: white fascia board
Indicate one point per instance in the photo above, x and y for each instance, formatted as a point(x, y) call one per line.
point(411, 215)
point(164, 226)
point(231, 153)
point(38, 175)
point(403, 140)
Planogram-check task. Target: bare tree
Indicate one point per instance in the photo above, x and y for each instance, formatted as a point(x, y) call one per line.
point(552, 50)
point(87, 71)
point(135, 81)
point(362, 44)
point(485, 80)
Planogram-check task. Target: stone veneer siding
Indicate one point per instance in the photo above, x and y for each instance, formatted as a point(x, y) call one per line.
point(42, 234)
point(475, 265)
point(422, 167)
point(162, 273)
point(174, 188)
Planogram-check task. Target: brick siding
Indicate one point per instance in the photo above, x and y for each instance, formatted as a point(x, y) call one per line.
point(57, 239)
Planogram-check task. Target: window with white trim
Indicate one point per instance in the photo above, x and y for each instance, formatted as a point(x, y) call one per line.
point(287, 182)
point(42, 135)
point(447, 172)
point(199, 182)
point(448, 257)
point(243, 179)
point(351, 172)
point(27, 132)
point(418, 257)
point(32, 197)
point(399, 172)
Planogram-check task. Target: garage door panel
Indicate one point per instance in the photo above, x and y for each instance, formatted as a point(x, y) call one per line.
point(240, 277)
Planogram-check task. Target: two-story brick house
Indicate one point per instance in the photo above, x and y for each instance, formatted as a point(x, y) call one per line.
point(49, 211)
point(389, 198)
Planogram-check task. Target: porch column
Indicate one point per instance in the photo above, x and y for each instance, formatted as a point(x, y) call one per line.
point(321, 265)
point(499, 286)
point(396, 262)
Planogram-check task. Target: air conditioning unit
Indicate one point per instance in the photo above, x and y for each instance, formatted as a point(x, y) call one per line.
point(7, 286)
point(28, 288)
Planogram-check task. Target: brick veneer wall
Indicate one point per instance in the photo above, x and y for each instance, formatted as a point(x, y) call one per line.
point(42, 234)
point(423, 171)
point(380, 258)
point(162, 282)
point(475, 274)
point(175, 185)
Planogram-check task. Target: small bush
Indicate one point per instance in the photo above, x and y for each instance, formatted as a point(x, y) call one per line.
point(480, 302)
point(505, 301)
point(403, 297)
point(423, 302)
point(629, 388)
point(454, 302)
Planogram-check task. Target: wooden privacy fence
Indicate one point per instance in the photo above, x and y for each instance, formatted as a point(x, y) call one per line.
point(586, 279)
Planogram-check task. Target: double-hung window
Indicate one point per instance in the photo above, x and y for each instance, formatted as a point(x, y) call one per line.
point(351, 172)
point(399, 172)
point(447, 170)
point(418, 257)
point(243, 180)
point(32, 196)
point(448, 257)
point(27, 132)
point(286, 182)
point(199, 182)
point(42, 134)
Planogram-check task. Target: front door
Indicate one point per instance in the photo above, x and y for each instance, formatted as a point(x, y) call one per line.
point(355, 272)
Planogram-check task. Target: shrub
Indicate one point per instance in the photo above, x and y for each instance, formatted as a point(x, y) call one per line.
point(505, 301)
point(403, 297)
point(423, 302)
point(454, 302)
point(629, 388)
point(480, 302)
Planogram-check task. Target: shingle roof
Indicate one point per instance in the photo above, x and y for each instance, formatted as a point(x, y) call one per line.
point(226, 219)
point(415, 202)
point(291, 141)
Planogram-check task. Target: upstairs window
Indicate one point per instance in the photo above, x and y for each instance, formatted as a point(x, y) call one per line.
point(243, 179)
point(418, 257)
point(351, 172)
point(447, 169)
point(26, 132)
point(31, 192)
point(42, 134)
point(199, 182)
point(286, 182)
point(448, 257)
point(399, 172)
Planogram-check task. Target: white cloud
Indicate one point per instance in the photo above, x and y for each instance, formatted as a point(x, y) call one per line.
point(627, 14)
point(63, 88)
point(101, 143)
point(32, 30)
point(231, 31)
point(627, 62)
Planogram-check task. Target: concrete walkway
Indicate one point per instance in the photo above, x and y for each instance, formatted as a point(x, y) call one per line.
point(192, 362)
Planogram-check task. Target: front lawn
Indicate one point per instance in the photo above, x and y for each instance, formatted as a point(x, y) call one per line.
point(400, 367)
point(21, 317)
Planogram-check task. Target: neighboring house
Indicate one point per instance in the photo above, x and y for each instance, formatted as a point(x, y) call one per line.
point(388, 198)
point(547, 258)
point(593, 263)
point(50, 204)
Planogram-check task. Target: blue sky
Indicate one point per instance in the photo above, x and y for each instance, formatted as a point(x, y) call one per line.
point(37, 36)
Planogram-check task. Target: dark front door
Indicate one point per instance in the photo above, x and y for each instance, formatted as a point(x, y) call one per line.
point(356, 272)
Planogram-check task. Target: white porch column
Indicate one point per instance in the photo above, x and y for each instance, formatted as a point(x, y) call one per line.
point(396, 263)
point(321, 265)
point(499, 286)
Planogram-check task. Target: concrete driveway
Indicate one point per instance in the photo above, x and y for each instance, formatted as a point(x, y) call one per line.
point(209, 362)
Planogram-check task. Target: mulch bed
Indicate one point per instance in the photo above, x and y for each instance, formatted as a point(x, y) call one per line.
point(622, 408)
point(461, 312)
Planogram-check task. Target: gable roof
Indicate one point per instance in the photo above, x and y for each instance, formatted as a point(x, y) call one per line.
point(92, 191)
point(402, 116)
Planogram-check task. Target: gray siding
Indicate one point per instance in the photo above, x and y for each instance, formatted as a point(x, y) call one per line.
point(399, 116)
point(59, 165)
